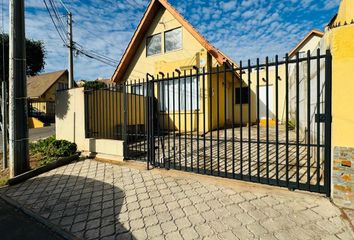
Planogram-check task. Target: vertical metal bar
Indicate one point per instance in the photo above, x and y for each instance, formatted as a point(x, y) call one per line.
point(191, 116)
point(145, 83)
point(241, 121)
point(139, 117)
point(258, 126)
point(125, 120)
point(297, 120)
point(277, 118)
point(218, 116)
point(267, 117)
point(204, 122)
point(179, 121)
point(174, 120)
point(233, 118)
point(225, 120)
point(158, 120)
point(308, 119)
point(135, 123)
point(168, 121)
point(249, 120)
point(328, 124)
point(318, 148)
point(185, 121)
point(287, 118)
point(197, 113)
point(211, 117)
point(162, 89)
point(152, 120)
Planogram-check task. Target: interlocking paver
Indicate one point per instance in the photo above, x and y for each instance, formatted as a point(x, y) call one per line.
point(96, 200)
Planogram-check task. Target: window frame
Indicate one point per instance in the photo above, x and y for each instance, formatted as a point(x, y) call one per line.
point(146, 44)
point(164, 40)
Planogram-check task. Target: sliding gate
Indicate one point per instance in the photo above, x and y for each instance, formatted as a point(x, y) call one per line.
point(266, 122)
point(263, 121)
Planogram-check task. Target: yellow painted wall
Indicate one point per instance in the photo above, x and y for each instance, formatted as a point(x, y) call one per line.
point(107, 111)
point(341, 44)
point(346, 12)
point(185, 57)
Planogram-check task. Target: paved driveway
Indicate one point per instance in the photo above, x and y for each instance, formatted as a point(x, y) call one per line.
point(95, 200)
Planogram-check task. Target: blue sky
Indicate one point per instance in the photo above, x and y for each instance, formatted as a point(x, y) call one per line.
point(242, 29)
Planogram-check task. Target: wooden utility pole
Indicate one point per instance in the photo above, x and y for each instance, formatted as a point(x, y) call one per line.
point(18, 115)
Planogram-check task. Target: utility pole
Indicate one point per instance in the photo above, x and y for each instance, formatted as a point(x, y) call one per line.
point(4, 111)
point(18, 117)
point(70, 48)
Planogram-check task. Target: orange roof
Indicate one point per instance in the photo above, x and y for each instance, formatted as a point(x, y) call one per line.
point(313, 32)
point(143, 27)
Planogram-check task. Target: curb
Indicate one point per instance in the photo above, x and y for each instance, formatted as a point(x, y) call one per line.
point(35, 172)
point(52, 227)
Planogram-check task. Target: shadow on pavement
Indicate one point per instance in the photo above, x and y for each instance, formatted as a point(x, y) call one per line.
point(87, 208)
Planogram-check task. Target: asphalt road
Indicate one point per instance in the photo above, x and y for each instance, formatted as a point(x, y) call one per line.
point(36, 134)
point(16, 225)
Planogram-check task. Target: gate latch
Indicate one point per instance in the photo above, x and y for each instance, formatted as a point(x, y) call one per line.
point(320, 118)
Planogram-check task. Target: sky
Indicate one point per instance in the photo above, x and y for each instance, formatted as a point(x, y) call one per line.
point(242, 29)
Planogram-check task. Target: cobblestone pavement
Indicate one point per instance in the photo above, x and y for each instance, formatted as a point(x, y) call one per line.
point(95, 200)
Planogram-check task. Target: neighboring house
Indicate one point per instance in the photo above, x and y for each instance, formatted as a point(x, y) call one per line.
point(41, 91)
point(163, 42)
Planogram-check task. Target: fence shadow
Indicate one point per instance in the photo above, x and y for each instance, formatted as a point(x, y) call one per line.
point(86, 207)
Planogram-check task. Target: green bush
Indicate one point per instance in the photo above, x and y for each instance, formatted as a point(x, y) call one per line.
point(51, 149)
point(94, 85)
point(291, 125)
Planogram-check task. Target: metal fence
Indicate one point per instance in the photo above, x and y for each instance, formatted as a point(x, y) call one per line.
point(267, 122)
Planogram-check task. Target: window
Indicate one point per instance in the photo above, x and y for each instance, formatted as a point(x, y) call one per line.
point(173, 40)
point(153, 45)
point(245, 95)
point(173, 91)
point(62, 86)
point(140, 89)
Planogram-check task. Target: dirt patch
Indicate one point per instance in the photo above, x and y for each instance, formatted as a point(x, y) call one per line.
point(4, 173)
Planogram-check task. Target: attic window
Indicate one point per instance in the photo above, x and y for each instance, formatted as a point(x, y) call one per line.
point(173, 40)
point(153, 45)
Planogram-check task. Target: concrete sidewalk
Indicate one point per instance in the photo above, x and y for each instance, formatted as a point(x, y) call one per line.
point(95, 200)
point(16, 225)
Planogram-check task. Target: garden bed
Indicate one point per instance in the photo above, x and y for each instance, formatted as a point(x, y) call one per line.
point(45, 155)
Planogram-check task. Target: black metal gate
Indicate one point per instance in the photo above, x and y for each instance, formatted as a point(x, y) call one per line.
point(266, 122)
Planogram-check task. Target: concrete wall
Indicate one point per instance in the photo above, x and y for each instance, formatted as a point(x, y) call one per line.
point(70, 125)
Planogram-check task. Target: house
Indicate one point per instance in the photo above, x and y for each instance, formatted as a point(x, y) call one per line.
point(163, 44)
point(41, 91)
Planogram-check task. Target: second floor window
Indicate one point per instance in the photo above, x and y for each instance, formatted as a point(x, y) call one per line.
point(173, 40)
point(153, 45)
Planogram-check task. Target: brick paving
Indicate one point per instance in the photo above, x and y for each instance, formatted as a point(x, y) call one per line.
point(95, 200)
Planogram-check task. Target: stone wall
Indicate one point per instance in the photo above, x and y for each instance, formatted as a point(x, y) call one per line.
point(342, 176)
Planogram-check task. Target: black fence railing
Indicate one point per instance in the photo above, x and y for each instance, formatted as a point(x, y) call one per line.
point(266, 122)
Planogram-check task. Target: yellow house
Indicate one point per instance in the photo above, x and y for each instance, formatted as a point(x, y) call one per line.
point(164, 45)
point(41, 91)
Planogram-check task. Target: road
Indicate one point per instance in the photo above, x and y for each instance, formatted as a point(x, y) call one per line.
point(16, 225)
point(36, 134)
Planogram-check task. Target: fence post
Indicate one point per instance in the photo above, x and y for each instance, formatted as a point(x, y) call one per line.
point(328, 123)
point(125, 122)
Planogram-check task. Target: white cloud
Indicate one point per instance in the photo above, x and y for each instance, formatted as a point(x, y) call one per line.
point(242, 29)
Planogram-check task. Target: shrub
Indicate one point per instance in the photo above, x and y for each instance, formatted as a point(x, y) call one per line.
point(94, 85)
point(51, 149)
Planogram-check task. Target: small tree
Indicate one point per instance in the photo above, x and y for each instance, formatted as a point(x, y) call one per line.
point(94, 85)
point(35, 56)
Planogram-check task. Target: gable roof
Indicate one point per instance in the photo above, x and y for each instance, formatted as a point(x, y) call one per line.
point(305, 40)
point(143, 28)
point(38, 85)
